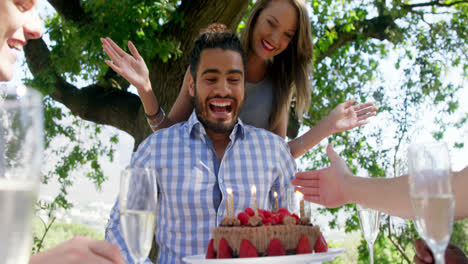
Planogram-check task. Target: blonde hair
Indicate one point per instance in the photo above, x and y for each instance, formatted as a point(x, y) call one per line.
point(290, 68)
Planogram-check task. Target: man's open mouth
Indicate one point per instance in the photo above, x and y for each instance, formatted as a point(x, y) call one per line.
point(221, 107)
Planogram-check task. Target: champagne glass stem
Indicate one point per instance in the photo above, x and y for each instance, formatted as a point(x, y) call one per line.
point(439, 258)
point(371, 252)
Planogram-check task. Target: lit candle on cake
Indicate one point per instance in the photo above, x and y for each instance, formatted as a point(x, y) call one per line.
point(275, 194)
point(254, 192)
point(300, 196)
point(229, 191)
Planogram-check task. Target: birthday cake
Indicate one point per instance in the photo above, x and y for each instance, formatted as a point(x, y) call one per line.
point(265, 234)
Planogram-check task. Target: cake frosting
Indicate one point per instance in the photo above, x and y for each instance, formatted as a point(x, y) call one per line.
point(261, 230)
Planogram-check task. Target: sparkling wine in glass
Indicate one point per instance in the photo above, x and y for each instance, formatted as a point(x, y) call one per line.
point(21, 150)
point(370, 224)
point(431, 195)
point(137, 205)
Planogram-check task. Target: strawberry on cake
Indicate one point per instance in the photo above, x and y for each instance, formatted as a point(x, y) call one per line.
point(267, 234)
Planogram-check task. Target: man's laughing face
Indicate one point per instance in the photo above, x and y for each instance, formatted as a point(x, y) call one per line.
point(218, 91)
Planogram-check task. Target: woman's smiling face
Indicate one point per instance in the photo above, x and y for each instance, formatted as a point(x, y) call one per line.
point(274, 29)
point(19, 22)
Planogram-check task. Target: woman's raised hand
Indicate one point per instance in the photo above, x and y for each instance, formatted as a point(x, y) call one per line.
point(132, 68)
point(347, 116)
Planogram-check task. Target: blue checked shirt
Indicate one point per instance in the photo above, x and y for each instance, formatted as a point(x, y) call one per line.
point(192, 183)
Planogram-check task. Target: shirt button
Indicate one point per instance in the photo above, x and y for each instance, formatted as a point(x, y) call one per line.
point(220, 213)
point(220, 180)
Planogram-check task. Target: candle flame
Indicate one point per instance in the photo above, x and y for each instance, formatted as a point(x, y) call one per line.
point(253, 190)
point(229, 191)
point(299, 195)
point(275, 194)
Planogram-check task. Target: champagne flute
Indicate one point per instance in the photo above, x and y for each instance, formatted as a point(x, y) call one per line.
point(370, 224)
point(431, 194)
point(21, 150)
point(137, 205)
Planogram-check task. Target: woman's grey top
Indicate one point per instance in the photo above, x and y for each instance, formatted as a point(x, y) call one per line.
point(258, 103)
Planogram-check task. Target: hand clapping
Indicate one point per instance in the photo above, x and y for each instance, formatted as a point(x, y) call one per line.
point(132, 68)
point(347, 116)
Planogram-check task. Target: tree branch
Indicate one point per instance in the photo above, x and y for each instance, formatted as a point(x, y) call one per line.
point(70, 10)
point(99, 104)
point(379, 27)
point(402, 252)
point(113, 79)
point(47, 227)
point(432, 3)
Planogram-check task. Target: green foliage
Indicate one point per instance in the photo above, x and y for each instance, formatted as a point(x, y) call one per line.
point(60, 232)
point(76, 48)
point(428, 43)
point(84, 154)
point(460, 235)
point(350, 244)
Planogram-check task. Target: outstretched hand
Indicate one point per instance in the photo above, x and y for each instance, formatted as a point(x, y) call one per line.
point(347, 116)
point(453, 255)
point(132, 68)
point(325, 186)
point(80, 250)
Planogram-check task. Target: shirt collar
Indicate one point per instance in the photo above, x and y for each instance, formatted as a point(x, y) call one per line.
point(195, 126)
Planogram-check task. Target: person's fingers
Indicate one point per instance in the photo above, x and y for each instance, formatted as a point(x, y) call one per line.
point(306, 191)
point(418, 260)
point(116, 47)
point(360, 107)
point(306, 183)
point(308, 175)
point(366, 116)
point(111, 53)
point(106, 250)
point(422, 251)
point(349, 103)
point(366, 110)
point(113, 66)
point(108, 48)
point(133, 50)
point(332, 155)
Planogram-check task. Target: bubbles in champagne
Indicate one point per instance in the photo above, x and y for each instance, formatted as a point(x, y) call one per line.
point(138, 231)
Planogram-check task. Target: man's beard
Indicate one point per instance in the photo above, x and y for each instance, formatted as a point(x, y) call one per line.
point(218, 127)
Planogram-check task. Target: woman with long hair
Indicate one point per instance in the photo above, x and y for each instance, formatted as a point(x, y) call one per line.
point(278, 43)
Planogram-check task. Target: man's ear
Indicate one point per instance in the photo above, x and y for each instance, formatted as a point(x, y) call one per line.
point(191, 85)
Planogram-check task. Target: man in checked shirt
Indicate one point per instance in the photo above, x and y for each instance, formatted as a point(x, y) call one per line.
point(197, 160)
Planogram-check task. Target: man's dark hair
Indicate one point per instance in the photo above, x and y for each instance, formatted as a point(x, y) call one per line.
point(213, 37)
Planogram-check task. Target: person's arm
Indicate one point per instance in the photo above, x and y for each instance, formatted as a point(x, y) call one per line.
point(282, 127)
point(336, 186)
point(460, 184)
point(344, 117)
point(80, 250)
point(133, 68)
point(183, 106)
